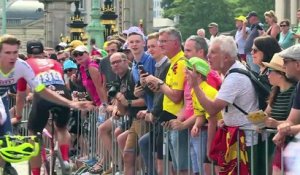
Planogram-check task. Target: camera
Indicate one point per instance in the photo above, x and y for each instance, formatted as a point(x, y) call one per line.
point(113, 89)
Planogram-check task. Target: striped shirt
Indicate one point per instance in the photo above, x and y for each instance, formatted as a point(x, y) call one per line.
point(282, 104)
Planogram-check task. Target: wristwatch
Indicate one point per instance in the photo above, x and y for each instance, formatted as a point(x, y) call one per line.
point(160, 83)
point(129, 103)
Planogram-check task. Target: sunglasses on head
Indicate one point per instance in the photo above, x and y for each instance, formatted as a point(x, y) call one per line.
point(68, 70)
point(76, 54)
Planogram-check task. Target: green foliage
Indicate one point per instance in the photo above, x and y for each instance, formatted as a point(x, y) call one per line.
point(195, 14)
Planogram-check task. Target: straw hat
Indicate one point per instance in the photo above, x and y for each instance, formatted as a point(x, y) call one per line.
point(276, 63)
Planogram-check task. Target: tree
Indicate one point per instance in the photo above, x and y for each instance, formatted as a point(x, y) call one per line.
point(195, 14)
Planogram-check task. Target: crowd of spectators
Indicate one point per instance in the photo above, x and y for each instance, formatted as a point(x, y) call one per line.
point(156, 84)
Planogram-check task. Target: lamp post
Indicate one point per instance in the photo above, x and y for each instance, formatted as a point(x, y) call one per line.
point(95, 28)
point(4, 17)
point(108, 18)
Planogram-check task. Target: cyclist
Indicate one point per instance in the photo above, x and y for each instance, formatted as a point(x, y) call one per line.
point(12, 69)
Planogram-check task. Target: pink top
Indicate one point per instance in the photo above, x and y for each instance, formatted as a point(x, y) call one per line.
point(188, 102)
point(88, 82)
point(214, 79)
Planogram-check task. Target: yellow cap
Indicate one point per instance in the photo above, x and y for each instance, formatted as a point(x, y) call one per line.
point(241, 18)
point(74, 44)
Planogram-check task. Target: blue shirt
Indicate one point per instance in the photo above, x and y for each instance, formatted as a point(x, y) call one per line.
point(149, 65)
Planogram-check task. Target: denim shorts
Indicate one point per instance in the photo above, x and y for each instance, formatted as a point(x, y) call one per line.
point(179, 149)
point(198, 149)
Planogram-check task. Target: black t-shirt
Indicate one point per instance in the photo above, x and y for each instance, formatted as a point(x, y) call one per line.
point(127, 88)
point(296, 104)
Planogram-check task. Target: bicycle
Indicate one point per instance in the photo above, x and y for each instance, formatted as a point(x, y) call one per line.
point(53, 153)
point(16, 148)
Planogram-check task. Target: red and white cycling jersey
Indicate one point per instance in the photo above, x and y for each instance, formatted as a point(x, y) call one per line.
point(47, 72)
point(21, 70)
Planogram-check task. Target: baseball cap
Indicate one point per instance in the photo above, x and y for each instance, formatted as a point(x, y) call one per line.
point(291, 52)
point(241, 18)
point(276, 63)
point(200, 65)
point(250, 14)
point(135, 29)
point(34, 47)
point(69, 64)
point(213, 24)
point(81, 48)
point(74, 44)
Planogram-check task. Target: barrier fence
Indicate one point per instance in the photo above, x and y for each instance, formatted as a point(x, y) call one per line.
point(89, 146)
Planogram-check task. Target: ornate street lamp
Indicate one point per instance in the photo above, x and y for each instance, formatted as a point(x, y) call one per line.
point(108, 18)
point(77, 24)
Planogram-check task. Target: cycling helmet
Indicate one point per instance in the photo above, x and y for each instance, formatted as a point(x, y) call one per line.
point(69, 64)
point(18, 149)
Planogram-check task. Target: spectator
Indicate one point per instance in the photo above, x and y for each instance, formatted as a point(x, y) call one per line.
point(91, 77)
point(280, 102)
point(196, 47)
point(274, 28)
point(291, 126)
point(297, 32)
point(145, 142)
point(263, 49)
point(255, 31)
point(105, 67)
point(172, 88)
point(213, 30)
point(62, 56)
point(201, 34)
point(241, 35)
point(222, 56)
point(286, 38)
point(136, 44)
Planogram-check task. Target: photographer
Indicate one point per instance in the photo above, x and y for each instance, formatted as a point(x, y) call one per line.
point(125, 103)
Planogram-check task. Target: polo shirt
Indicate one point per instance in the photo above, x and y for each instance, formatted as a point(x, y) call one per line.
point(149, 65)
point(210, 93)
point(175, 80)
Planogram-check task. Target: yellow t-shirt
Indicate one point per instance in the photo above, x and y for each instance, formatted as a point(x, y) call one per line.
point(210, 93)
point(175, 80)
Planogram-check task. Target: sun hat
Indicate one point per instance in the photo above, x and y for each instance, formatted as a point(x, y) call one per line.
point(276, 63)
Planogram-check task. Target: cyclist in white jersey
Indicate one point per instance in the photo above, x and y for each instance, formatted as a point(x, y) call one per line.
point(11, 70)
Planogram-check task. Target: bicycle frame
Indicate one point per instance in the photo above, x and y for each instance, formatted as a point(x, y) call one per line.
point(54, 152)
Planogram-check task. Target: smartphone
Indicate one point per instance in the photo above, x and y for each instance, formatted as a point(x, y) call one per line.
point(141, 68)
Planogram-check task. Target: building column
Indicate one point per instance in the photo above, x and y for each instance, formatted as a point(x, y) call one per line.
point(294, 7)
point(279, 9)
point(95, 29)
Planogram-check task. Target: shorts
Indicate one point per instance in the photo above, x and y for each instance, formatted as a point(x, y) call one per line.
point(41, 108)
point(179, 149)
point(160, 143)
point(198, 149)
point(137, 129)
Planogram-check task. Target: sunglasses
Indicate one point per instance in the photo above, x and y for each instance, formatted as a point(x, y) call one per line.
point(69, 70)
point(287, 60)
point(254, 50)
point(76, 54)
point(282, 25)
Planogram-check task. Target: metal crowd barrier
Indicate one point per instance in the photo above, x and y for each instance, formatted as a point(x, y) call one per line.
point(90, 146)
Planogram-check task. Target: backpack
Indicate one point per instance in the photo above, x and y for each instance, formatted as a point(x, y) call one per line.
point(262, 88)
